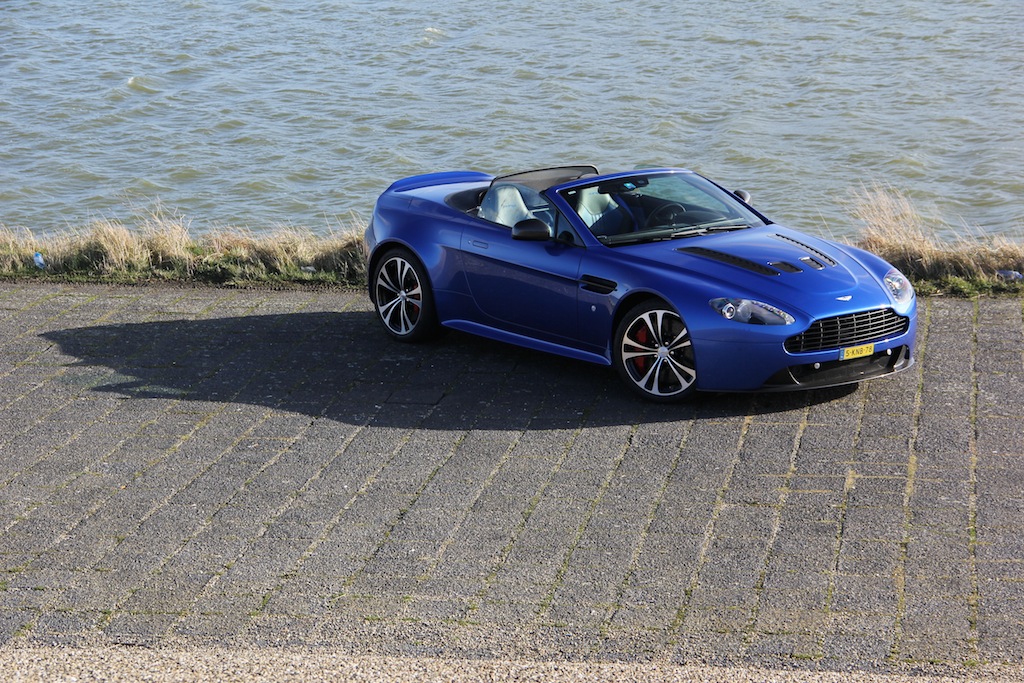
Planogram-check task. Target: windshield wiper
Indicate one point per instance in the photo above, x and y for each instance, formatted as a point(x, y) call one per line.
point(713, 226)
point(658, 235)
point(631, 238)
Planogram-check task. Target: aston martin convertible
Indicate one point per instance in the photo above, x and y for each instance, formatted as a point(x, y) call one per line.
point(677, 282)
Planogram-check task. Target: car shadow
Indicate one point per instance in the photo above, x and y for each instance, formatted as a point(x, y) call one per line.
point(342, 366)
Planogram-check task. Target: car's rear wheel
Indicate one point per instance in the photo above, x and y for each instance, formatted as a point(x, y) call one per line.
point(402, 296)
point(653, 353)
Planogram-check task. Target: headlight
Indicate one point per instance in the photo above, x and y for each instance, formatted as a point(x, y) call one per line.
point(899, 286)
point(749, 311)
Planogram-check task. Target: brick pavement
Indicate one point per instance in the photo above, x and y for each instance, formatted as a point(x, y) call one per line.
point(199, 467)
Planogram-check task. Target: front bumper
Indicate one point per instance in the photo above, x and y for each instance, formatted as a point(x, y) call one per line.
point(838, 372)
point(764, 364)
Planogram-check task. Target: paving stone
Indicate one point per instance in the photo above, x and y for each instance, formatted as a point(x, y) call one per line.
point(180, 466)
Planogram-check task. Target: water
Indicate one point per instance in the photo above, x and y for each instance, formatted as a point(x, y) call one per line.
point(293, 112)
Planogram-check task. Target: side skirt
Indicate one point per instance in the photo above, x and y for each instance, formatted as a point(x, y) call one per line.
point(527, 342)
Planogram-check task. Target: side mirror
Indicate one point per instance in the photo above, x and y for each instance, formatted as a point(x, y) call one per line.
point(742, 194)
point(533, 229)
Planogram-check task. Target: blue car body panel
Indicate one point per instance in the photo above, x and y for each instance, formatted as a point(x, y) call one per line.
point(567, 298)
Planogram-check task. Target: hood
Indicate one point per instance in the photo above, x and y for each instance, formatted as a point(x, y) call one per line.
point(774, 262)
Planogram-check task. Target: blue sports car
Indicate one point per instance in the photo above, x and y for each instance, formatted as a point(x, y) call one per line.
point(675, 281)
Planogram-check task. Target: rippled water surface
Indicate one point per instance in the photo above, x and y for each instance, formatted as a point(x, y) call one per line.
point(292, 112)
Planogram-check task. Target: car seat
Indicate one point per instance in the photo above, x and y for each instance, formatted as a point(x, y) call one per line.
point(602, 214)
point(504, 204)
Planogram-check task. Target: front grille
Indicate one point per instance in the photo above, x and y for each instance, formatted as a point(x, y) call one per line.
point(848, 330)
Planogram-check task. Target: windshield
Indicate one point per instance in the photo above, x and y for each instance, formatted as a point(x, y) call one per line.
point(657, 206)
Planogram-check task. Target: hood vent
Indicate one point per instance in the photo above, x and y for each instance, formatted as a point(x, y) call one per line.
point(786, 267)
point(823, 259)
point(722, 257)
point(813, 262)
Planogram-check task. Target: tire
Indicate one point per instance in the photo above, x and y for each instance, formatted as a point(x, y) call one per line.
point(402, 296)
point(653, 353)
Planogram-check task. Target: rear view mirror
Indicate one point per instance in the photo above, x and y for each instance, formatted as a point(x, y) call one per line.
point(743, 195)
point(622, 186)
point(531, 229)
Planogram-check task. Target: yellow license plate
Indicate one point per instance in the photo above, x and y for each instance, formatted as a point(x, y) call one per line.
point(856, 352)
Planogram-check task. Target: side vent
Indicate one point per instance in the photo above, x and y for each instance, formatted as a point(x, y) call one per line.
point(722, 257)
point(599, 285)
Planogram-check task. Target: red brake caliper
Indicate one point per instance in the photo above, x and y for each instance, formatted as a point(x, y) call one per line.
point(642, 338)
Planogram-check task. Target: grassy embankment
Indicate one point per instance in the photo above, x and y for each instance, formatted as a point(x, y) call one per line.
point(967, 266)
point(161, 248)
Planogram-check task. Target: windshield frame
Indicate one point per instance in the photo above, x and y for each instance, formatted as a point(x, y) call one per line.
point(632, 207)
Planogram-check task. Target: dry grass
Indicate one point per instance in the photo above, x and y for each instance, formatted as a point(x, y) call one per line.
point(895, 230)
point(161, 246)
point(16, 249)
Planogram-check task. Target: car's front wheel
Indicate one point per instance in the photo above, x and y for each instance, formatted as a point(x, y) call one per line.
point(653, 353)
point(402, 296)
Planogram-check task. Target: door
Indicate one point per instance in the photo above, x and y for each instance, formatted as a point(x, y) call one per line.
point(525, 287)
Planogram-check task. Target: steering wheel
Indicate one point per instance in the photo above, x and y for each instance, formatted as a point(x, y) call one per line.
point(666, 214)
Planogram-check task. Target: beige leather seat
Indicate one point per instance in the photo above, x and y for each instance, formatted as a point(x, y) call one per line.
point(504, 204)
point(602, 214)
